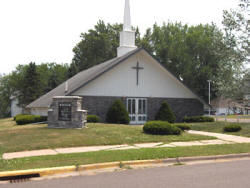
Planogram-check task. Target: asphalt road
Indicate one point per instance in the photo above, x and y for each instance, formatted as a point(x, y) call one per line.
point(213, 175)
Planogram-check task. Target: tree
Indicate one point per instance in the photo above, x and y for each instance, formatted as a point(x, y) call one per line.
point(246, 83)
point(5, 93)
point(9, 87)
point(145, 41)
point(117, 113)
point(30, 85)
point(97, 46)
point(195, 54)
point(51, 75)
point(237, 25)
point(165, 113)
point(15, 84)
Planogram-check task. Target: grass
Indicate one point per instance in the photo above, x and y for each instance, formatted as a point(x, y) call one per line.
point(120, 155)
point(31, 137)
point(218, 128)
point(239, 116)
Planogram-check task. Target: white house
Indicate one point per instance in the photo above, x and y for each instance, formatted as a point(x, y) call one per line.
point(14, 108)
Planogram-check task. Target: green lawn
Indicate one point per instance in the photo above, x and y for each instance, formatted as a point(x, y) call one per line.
point(218, 128)
point(238, 116)
point(120, 155)
point(30, 137)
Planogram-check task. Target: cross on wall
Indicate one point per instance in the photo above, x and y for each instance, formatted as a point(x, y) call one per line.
point(137, 68)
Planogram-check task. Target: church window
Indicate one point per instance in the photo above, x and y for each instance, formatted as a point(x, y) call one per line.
point(133, 106)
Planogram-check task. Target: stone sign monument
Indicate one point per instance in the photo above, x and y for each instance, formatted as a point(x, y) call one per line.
point(66, 112)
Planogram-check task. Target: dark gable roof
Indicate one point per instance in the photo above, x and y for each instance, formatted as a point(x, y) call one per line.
point(83, 78)
point(79, 80)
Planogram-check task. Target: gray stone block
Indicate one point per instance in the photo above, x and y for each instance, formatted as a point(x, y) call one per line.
point(181, 107)
point(66, 112)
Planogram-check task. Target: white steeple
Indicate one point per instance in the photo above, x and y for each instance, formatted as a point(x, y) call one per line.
point(127, 17)
point(127, 36)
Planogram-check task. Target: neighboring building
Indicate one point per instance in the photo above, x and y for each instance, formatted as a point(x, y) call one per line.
point(15, 109)
point(226, 106)
point(135, 77)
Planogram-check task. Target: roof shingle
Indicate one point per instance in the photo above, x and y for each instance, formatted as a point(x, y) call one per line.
point(79, 80)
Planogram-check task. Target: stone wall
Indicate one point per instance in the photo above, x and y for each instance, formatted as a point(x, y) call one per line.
point(99, 105)
point(181, 107)
point(77, 115)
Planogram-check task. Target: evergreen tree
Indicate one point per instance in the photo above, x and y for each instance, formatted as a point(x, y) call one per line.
point(117, 113)
point(5, 94)
point(165, 113)
point(30, 85)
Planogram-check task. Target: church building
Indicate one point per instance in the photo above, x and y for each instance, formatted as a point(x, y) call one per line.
point(135, 77)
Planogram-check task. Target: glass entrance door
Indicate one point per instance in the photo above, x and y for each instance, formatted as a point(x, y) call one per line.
point(137, 109)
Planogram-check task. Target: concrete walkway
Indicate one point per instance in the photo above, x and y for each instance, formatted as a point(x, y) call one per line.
point(233, 120)
point(225, 137)
point(221, 139)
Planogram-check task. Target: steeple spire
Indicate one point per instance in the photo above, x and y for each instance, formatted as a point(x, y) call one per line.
point(127, 36)
point(127, 18)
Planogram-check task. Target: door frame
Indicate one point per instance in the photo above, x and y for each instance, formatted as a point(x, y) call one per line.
point(137, 116)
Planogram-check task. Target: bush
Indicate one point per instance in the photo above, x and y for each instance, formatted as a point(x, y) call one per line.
point(161, 128)
point(183, 127)
point(117, 113)
point(194, 119)
point(18, 116)
point(27, 119)
point(93, 119)
point(165, 113)
point(232, 128)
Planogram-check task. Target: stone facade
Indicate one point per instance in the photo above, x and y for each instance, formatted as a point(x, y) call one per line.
point(99, 105)
point(181, 107)
point(66, 112)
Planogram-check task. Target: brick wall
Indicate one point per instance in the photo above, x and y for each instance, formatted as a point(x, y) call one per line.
point(181, 107)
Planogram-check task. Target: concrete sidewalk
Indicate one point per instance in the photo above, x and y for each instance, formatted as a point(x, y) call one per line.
point(221, 139)
point(225, 137)
point(233, 120)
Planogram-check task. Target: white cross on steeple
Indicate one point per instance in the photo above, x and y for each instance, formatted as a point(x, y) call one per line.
point(127, 36)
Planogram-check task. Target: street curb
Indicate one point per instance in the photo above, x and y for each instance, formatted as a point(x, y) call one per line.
point(68, 169)
point(216, 157)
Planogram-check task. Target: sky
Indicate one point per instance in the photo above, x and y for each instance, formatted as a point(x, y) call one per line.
point(47, 30)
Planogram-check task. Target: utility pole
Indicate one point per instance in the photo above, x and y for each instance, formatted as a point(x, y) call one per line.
point(209, 95)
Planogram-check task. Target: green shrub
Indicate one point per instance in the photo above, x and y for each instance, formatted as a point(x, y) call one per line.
point(183, 127)
point(27, 119)
point(93, 119)
point(194, 119)
point(117, 113)
point(161, 128)
point(18, 116)
point(165, 113)
point(232, 128)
